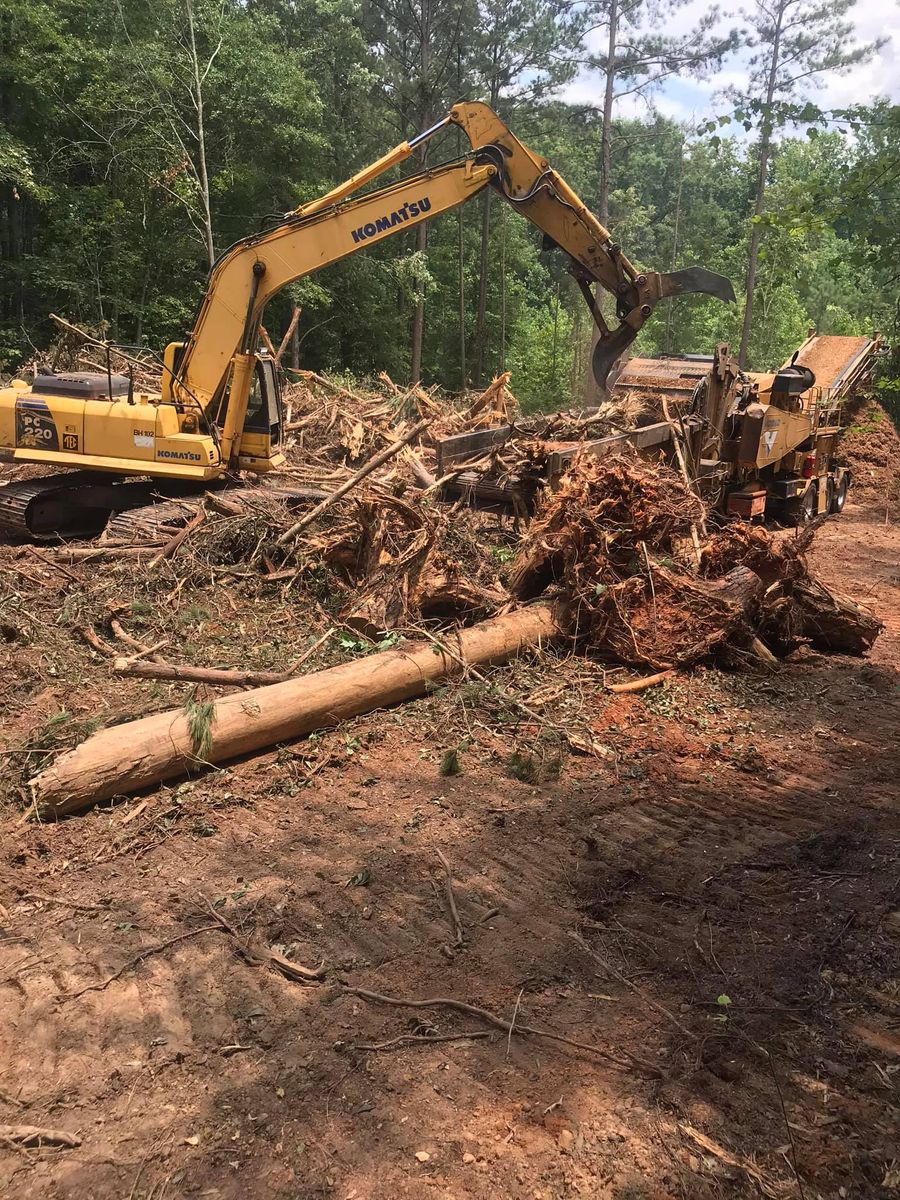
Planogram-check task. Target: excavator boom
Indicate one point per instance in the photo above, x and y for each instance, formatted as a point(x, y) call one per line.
point(341, 223)
point(218, 410)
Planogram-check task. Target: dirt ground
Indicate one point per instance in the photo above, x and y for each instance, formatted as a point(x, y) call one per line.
point(713, 908)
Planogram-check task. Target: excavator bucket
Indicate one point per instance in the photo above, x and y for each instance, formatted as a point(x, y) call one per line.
point(697, 279)
point(613, 343)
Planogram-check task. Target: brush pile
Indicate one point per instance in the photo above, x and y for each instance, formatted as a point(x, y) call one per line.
point(616, 541)
point(619, 540)
point(394, 564)
point(332, 428)
point(376, 561)
point(335, 424)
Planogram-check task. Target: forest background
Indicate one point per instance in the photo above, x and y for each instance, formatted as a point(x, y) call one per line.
point(140, 138)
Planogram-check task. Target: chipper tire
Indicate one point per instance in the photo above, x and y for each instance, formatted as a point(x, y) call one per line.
point(839, 496)
point(801, 510)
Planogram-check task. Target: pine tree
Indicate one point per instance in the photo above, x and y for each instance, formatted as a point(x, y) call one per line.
point(795, 42)
point(635, 60)
point(524, 50)
point(418, 47)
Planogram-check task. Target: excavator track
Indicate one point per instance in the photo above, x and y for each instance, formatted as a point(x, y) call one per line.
point(71, 505)
point(85, 504)
point(75, 504)
point(153, 523)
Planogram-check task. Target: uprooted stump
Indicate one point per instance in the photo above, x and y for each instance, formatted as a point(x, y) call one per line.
point(614, 541)
point(796, 608)
point(833, 622)
point(604, 512)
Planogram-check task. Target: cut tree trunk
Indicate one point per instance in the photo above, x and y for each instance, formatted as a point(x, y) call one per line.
point(833, 622)
point(139, 754)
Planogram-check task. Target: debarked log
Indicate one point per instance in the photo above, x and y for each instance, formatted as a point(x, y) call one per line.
point(138, 754)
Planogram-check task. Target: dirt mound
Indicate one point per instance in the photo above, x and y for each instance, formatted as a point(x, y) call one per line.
point(871, 448)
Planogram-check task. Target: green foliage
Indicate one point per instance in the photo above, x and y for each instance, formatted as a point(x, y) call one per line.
point(451, 762)
point(535, 768)
point(362, 645)
point(103, 206)
point(200, 716)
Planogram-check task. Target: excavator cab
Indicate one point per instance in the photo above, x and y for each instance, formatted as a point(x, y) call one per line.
point(262, 432)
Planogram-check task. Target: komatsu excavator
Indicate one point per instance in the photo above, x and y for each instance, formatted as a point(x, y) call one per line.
point(219, 409)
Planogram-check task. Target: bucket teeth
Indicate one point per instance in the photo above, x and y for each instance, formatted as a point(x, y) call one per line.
point(650, 289)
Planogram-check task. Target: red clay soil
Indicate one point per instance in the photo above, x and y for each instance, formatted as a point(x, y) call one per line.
point(729, 866)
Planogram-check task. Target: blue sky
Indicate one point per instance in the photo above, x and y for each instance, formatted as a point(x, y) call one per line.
point(692, 100)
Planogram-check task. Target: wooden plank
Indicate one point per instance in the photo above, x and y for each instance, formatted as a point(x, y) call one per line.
point(468, 445)
point(645, 438)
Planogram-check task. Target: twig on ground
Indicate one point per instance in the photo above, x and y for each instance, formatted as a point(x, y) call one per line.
point(259, 956)
point(607, 966)
point(37, 1135)
point(787, 1123)
point(90, 635)
point(451, 899)
point(140, 649)
point(638, 685)
point(488, 916)
point(137, 960)
point(631, 1060)
point(61, 900)
point(731, 1160)
point(150, 651)
point(310, 650)
point(410, 1039)
point(512, 1023)
point(172, 545)
point(652, 585)
point(56, 565)
point(192, 674)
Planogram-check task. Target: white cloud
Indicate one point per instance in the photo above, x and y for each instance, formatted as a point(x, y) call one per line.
point(691, 99)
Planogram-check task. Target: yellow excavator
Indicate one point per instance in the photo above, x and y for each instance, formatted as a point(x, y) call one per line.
point(219, 409)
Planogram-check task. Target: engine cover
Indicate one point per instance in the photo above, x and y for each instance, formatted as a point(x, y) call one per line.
point(81, 385)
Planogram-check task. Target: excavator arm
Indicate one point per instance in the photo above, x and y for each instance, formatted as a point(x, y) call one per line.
point(528, 183)
point(219, 356)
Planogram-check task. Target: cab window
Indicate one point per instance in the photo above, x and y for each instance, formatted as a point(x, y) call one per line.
point(264, 404)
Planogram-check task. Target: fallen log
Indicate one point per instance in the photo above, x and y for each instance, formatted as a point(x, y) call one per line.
point(126, 758)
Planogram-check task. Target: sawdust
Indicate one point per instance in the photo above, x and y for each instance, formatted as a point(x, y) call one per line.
point(828, 357)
